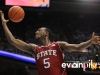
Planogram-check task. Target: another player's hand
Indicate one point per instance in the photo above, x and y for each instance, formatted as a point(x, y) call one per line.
point(95, 39)
point(2, 17)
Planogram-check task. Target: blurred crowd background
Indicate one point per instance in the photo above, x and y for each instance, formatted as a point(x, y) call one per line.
point(70, 28)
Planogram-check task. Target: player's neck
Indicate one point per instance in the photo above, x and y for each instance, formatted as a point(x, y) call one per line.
point(45, 42)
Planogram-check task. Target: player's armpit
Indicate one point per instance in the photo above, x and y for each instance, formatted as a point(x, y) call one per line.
point(32, 47)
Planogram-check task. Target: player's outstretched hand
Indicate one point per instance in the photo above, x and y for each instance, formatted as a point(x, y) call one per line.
point(2, 17)
point(95, 39)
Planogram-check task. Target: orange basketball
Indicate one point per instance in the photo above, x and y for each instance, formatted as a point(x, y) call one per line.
point(16, 14)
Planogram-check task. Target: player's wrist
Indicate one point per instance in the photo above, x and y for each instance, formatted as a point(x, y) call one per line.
point(91, 41)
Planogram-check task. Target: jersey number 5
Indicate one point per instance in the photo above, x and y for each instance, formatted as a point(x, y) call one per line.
point(46, 63)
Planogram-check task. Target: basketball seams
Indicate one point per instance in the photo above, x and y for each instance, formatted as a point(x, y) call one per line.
point(19, 18)
point(16, 13)
point(21, 15)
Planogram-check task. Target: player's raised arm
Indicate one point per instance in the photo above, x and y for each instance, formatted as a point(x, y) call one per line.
point(16, 42)
point(81, 46)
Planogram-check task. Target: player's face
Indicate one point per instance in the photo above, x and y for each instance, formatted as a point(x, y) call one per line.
point(40, 33)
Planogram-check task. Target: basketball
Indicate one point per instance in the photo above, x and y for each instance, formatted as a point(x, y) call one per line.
point(16, 14)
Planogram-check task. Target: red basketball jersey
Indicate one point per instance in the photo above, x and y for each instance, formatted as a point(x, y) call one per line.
point(49, 60)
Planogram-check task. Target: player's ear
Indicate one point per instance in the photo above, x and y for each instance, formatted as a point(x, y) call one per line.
point(47, 33)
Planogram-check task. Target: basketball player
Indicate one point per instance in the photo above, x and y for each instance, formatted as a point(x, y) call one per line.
point(49, 56)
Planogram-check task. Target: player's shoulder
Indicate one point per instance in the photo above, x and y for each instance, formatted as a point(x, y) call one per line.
point(32, 45)
point(55, 43)
point(61, 43)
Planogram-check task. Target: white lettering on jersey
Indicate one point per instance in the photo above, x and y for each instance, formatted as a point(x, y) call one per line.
point(54, 52)
point(45, 53)
point(38, 56)
point(50, 52)
point(41, 54)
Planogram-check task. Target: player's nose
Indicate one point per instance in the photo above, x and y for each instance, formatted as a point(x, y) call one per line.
point(36, 32)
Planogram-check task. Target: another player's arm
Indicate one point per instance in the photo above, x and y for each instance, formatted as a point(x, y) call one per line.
point(16, 42)
point(81, 46)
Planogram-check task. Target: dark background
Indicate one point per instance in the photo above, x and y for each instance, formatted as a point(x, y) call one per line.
point(72, 21)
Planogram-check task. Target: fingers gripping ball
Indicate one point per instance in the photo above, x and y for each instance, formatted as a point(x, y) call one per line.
point(16, 14)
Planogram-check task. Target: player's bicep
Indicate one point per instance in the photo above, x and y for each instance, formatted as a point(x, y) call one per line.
point(68, 47)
